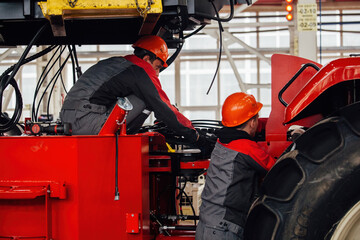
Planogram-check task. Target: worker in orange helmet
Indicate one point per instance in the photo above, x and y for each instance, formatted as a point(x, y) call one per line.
point(91, 99)
point(237, 163)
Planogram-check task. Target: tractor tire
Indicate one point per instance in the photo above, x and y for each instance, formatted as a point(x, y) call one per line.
point(313, 192)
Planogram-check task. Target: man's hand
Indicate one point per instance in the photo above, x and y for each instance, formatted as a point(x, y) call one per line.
point(295, 131)
point(205, 143)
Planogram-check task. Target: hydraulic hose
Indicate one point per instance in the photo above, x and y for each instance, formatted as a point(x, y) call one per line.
point(220, 48)
point(18, 107)
point(116, 166)
point(217, 18)
point(176, 53)
point(23, 56)
point(29, 59)
point(9, 79)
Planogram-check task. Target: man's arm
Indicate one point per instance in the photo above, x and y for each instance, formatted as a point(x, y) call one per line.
point(150, 89)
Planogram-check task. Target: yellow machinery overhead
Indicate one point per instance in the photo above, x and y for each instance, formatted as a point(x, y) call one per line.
point(85, 22)
point(56, 11)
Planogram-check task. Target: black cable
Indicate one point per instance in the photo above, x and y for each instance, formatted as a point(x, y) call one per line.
point(6, 79)
point(220, 50)
point(49, 97)
point(217, 18)
point(56, 78)
point(49, 83)
point(38, 85)
point(40, 82)
point(23, 56)
point(29, 59)
point(52, 79)
point(176, 53)
point(191, 205)
point(42, 78)
point(116, 166)
point(78, 68)
point(194, 32)
point(180, 195)
point(61, 67)
point(73, 64)
point(17, 111)
point(62, 80)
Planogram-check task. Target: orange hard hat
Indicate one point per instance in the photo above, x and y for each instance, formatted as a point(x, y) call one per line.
point(154, 44)
point(238, 108)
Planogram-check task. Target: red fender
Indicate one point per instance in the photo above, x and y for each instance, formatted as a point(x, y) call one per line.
point(340, 70)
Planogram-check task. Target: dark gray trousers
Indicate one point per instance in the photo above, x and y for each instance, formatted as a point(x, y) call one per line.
point(87, 122)
point(207, 232)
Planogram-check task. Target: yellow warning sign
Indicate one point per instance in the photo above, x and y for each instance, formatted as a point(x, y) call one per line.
point(307, 17)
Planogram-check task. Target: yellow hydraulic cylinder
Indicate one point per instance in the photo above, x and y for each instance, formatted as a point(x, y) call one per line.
point(58, 10)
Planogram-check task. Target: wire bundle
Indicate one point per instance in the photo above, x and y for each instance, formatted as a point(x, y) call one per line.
point(52, 83)
point(7, 78)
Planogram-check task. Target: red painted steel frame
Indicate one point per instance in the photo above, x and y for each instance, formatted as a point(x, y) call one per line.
point(86, 165)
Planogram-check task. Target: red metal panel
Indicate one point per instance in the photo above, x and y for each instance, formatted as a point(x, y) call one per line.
point(337, 71)
point(31, 189)
point(132, 223)
point(113, 122)
point(203, 164)
point(87, 166)
point(283, 68)
point(159, 163)
point(184, 237)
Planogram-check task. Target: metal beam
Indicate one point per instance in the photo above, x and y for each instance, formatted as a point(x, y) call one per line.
point(214, 25)
point(5, 54)
point(242, 7)
point(9, 51)
point(255, 85)
point(242, 86)
point(247, 47)
point(9, 92)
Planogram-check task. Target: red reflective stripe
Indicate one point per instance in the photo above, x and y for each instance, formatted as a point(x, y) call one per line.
point(253, 150)
point(152, 75)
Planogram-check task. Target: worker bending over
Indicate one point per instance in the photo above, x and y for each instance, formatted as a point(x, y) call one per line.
point(91, 99)
point(237, 163)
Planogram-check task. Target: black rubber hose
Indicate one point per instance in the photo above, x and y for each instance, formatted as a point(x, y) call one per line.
point(72, 63)
point(23, 56)
point(17, 112)
point(42, 79)
point(7, 79)
point(176, 53)
point(220, 49)
point(29, 59)
point(188, 199)
point(58, 73)
point(46, 88)
point(62, 80)
point(78, 68)
point(217, 18)
point(194, 32)
point(116, 166)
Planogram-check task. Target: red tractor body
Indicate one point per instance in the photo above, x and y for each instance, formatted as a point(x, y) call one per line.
point(63, 187)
